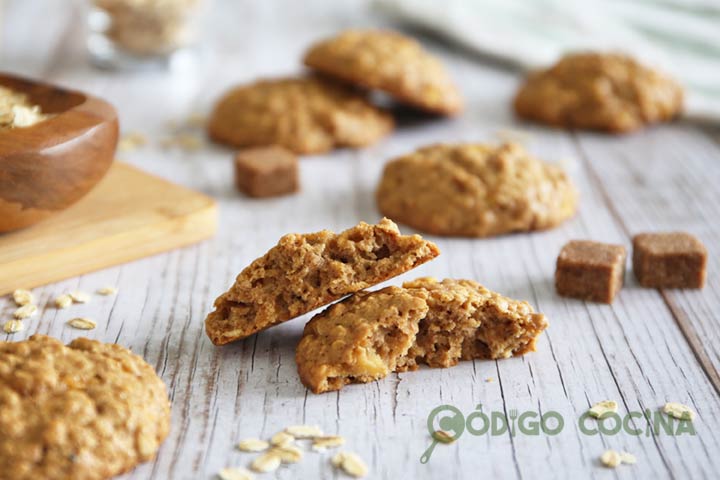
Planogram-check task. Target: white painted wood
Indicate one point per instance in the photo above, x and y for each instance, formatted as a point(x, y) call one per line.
point(645, 349)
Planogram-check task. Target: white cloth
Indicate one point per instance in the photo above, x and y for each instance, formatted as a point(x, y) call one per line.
point(681, 37)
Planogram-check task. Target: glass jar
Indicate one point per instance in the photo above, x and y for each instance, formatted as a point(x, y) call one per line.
point(131, 34)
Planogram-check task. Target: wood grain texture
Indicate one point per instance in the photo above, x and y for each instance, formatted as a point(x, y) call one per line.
point(647, 348)
point(129, 215)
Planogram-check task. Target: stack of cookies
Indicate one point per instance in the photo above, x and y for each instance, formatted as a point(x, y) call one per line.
point(330, 108)
point(369, 334)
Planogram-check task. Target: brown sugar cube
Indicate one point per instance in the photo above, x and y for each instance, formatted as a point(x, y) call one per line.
point(266, 171)
point(590, 270)
point(669, 260)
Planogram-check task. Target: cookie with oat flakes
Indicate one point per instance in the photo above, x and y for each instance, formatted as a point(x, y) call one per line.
point(466, 321)
point(307, 271)
point(475, 191)
point(360, 339)
point(599, 91)
point(391, 62)
point(87, 410)
point(305, 115)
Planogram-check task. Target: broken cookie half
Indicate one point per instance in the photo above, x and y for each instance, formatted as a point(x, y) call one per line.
point(435, 323)
point(360, 339)
point(306, 271)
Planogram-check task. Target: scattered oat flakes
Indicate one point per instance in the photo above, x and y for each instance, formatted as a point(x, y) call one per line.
point(288, 454)
point(82, 323)
point(267, 462)
point(678, 410)
point(13, 326)
point(107, 291)
point(253, 445)
point(79, 297)
point(26, 311)
point(443, 437)
point(611, 458)
point(514, 135)
point(304, 431)
point(23, 297)
point(320, 444)
point(235, 473)
point(63, 301)
point(351, 463)
point(600, 409)
point(628, 458)
point(196, 120)
point(131, 141)
point(282, 439)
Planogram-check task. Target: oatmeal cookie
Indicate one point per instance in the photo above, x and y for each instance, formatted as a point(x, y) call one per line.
point(84, 411)
point(390, 62)
point(305, 115)
point(360, 339)
point(610, 92)
point(475, 191)
point(306, 271)
point(466, 321)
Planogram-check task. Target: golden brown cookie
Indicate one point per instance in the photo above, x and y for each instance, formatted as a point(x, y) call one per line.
point(466, 321)
point(360, 339)
point(610, 92)
point(390, 62)
point(475, 191)
point(306, 271)
point(84, 411)
point(305, 115)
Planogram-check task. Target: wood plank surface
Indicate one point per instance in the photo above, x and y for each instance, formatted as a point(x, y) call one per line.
point(129, 215)
point(647, 348)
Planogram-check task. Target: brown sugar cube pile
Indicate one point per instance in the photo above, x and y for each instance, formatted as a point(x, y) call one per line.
point(590, 270)
point(266, 171)
point(669, 260)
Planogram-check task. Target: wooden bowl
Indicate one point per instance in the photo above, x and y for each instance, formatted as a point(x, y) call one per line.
point(46, 167)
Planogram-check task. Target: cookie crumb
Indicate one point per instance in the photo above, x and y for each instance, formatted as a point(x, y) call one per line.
point(13, 326)
point(611, 458)
point(679, 411)
point(304, 431)
point(82, 323)
point(107, 291)
point(26, 311)
point(235, 473)
point(253, 445)
point(351, 463)
point(22, 297)
point(63, 301)
point(600, 409)
point(267, 462)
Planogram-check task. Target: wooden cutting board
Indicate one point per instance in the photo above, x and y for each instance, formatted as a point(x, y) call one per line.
point(129, 215)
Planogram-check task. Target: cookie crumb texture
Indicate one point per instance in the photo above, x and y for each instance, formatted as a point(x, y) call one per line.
point(266, 171)
point(599, 91)
point(669, 260)
point(83, 411)
point(475, 191)
point(590, 270)
point(360, 339)
point(391, 62)
point(467, 321)
point(304, 115)
point(306, 271)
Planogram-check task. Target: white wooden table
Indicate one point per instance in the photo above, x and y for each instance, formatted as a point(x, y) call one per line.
point(649, 347)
